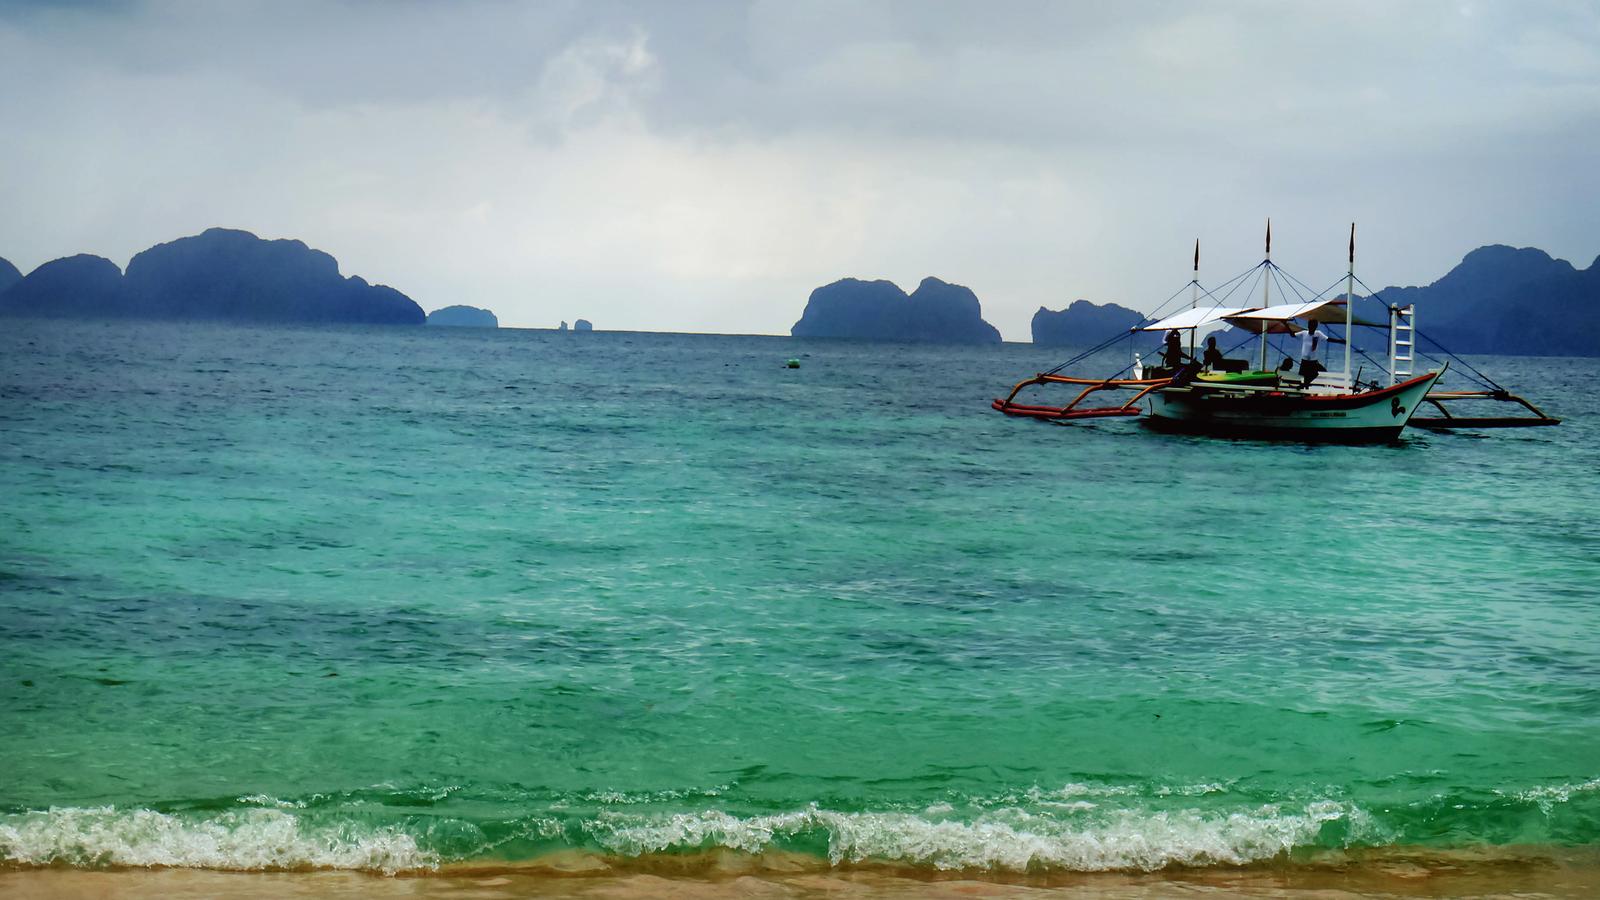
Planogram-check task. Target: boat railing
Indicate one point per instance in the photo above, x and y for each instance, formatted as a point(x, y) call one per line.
point(1073, 410)
point(1332, 382)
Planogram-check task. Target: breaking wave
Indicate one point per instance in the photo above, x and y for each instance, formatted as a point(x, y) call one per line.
point(1077, 828)
point(1012, 840)
point(236, 839)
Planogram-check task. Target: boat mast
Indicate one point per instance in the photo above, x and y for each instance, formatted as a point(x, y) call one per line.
point(1349, 310)
point(1194, 294)
point(1266, 283)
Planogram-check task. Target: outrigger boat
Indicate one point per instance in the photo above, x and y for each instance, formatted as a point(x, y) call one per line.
point(1235, 401)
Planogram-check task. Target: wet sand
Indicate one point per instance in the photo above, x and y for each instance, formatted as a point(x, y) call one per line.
point(1390, 874)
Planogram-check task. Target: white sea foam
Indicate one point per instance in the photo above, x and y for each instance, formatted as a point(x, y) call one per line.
point(625, 798)
point(1012, 840)
point(1016, 838)
point(237, 839)
point(269, 800)
point(1548, 796)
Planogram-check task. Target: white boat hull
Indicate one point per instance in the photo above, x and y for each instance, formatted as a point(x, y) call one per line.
point(1378, 415)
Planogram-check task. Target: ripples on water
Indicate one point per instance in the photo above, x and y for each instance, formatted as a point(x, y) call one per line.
point(394, 598)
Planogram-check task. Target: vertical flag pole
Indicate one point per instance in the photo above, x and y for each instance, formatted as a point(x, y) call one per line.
point(1266, 284)
point(1350, 310)
point(1194, 294)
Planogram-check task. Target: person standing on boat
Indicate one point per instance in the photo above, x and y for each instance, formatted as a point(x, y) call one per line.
point(1312, 342)
point(1212, 359)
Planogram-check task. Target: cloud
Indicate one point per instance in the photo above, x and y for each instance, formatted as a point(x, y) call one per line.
point(704, 165)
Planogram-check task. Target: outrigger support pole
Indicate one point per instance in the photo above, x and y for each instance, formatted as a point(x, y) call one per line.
point(1447, 419)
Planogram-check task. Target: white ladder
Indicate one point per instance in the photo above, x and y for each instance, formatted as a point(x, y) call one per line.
point(1402, 342)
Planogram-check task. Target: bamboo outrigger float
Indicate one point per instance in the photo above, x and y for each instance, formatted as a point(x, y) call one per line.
point(1448, 420)
point(1319, 405)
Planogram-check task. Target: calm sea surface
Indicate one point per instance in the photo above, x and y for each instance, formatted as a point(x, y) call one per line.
point(394, 598)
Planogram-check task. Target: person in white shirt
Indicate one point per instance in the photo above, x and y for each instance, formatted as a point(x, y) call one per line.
point(1312, 342)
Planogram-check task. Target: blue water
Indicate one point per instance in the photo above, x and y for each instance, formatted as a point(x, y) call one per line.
point(394, 598)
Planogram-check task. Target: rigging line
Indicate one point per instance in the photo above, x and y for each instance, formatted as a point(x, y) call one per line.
point(1116, 337)
point(1482, 378)
point(1284, 287)
point(1315, 295)
point(1471, 374)
point(1486, 380)
point(1248, 337)
point(1091, 351)
point(1275, 344)
point(1151, 317)
point(1423, 354)
point(1210, 292)
point(1237, 281)
point(1253, 282)
point(1250, 289)
point(1318, 294)
point(1120, 372)
point(1377, 365)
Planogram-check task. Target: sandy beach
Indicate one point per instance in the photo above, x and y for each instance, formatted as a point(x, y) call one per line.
point(1390, 874)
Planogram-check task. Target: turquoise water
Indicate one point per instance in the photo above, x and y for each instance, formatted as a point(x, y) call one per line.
point(389, 599)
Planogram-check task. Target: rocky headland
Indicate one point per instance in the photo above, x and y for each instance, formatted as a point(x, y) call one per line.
point(1082, 323)
point(219, 275)
point(936, 312)
point(1517, 301)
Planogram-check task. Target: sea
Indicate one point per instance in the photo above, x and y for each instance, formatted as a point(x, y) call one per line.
point(413, 602)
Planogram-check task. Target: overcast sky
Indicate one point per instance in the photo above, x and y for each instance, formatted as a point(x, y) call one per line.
point(701, 167)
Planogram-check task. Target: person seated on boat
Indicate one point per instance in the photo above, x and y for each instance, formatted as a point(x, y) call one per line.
point(1212, 358)
point(1311, 342)
point(1285, 371)
point(1181, 367)
point(1172, 355)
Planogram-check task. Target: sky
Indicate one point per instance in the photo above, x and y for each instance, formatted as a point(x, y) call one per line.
point(693, 166)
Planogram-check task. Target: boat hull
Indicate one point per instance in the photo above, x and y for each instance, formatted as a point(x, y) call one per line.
point(1368, 417)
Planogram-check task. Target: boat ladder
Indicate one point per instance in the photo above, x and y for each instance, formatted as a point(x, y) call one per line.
point(1402, 342)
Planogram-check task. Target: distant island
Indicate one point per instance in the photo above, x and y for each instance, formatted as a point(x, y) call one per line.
point(219, 275)
point(463, 317)
point(582, 325)
point(1498, 299)
point(879, 310)
point(1082, 324)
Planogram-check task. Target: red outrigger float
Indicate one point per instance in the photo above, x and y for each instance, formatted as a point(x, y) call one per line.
point(1317, 405)
point(1072, 410)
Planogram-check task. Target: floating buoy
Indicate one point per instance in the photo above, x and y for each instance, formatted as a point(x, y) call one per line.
point(793, 363)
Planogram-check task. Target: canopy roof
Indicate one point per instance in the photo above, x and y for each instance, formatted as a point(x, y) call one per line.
point(1195, 318)
point(1279, 319)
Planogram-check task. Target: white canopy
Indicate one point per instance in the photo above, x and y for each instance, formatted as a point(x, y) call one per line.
point(1278, 319)
point(1196, 318)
